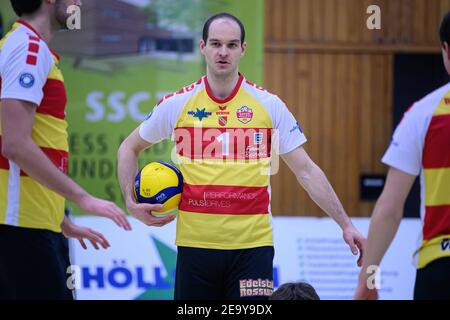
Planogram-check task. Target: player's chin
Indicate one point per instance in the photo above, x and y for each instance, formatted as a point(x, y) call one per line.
point(223, 71)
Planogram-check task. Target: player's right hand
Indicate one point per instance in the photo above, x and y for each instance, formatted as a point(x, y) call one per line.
point(103, 208)
point(143, 212)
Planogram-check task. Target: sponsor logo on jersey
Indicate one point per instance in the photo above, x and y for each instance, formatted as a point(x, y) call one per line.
point(445, 244)
point(244, 114)
point(297, 126)
point(209, 203)
point(258, 138)
point(222, 115)
point(26, 80)
point(253, 152)
point(223, 120)
point(200, 114)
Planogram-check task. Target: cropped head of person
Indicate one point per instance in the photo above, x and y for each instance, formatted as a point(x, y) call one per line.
point(444, 34)
point(56, 10)
point(295, 291)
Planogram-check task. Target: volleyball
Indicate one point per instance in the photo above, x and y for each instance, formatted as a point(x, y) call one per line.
point(159, 183)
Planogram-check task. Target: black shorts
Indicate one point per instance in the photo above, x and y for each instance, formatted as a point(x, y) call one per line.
point(208, 274)
point(433, 281)
point(33, 264)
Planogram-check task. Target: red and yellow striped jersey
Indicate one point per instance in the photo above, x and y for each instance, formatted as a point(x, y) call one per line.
point(224, 149)
point(421, 145)
point(29, 72)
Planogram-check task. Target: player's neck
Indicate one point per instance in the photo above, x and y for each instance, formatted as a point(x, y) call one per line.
point(222, 86)
point(42, 25)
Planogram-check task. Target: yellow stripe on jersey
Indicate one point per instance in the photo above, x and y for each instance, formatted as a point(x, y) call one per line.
point(437, 186)
point(432, 250)
point(45, 211)
point(34, 211)
point(55, 73)
point(3, 40)
point(50, 132)
point(245, 173)
point(4, 174)
point(443, 108)
point(228, 231)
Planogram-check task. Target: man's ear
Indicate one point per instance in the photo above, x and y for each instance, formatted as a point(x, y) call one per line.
point(447, 49)
point(202, 45)
point(244, 48)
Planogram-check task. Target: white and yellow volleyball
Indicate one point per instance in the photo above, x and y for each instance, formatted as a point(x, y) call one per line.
point(159, 182)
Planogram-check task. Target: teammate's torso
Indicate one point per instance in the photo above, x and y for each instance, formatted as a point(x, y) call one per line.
point(435, 179)
point(29, 72)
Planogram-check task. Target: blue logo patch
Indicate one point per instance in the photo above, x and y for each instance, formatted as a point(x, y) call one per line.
point(26, 80)
point(200, 114)
point(297, 126)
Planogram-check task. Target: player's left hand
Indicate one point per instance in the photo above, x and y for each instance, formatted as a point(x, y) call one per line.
point(355, 241)
point(71, 230)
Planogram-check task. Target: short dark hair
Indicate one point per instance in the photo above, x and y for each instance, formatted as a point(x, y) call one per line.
point(219, 16)
point(295, 291)
point(22, 7)
point(444, 32)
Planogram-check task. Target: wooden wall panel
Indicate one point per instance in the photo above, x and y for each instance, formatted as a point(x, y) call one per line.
point(336, 77)
point(343, 103)
point(406, 24)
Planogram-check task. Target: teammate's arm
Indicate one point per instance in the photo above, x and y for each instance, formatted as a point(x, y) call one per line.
point(314, 181)
point(386, 218)
point(18, 146)
point(127, 167)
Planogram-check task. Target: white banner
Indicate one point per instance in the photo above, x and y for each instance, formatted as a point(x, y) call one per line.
point(141, 264)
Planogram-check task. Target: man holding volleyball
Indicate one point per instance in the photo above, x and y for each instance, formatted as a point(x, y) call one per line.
point(226, 130)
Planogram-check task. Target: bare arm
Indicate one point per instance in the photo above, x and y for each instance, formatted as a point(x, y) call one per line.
point(127, 168)
point(127, 159)
point(385, 221)
point(314, 181)
point(18, 146)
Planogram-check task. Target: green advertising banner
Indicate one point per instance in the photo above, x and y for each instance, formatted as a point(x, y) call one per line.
point(128, 55)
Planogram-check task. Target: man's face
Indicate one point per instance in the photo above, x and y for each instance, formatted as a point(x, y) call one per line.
point(223, 49)
point(61, 14)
